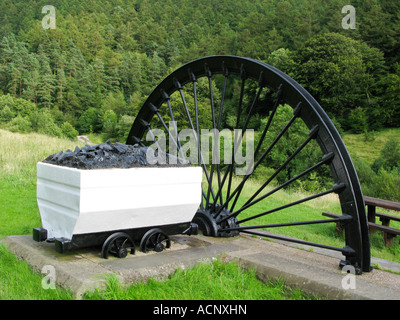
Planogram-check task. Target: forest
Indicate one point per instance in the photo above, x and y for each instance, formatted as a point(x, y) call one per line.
point(92, 72)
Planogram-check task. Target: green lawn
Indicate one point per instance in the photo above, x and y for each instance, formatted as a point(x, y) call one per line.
point(19, 214)
point(205, 281)
point(369, 150)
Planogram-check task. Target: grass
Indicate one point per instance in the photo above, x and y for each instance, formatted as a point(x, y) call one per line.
point(18, 282)
point(19, 154)
point(19, 213)
point(369, 150)
point(219, 281)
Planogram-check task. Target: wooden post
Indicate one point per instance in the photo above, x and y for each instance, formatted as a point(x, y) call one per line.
point(371, 210)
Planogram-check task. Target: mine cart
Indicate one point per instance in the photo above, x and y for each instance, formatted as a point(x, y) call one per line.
point(116, 207)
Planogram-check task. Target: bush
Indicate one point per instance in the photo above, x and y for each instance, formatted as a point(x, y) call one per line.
point(380, 184)
point(389, 158)
point(20, 124)
point(90, 121)
point(391, 154)
point(110, 123)
point(17, 105)
point(124, 126)
point(6, 114)
point(358, 120)
point(45, 124)
point(69, 131)
point(387, 186)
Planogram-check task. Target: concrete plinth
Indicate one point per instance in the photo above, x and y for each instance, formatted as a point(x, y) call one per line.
point(313, 272)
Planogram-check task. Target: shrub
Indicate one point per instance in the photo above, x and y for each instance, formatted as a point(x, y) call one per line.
point(110, 123)
point(380, 184)
point(20, 124)
point(69, 131)
point(391, 154)
point(358, 120)
point(6, 114)
point(387, 186)
point(17, 105)
point(46, 125)
point(389, 158)
point(90, 121)
point(124, 126)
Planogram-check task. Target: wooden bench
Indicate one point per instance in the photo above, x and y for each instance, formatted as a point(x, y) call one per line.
point(339, 225)
point(388, 232)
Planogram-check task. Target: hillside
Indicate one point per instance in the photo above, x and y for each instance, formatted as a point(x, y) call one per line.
point(104, 57)
point(92, 73)
point(369, 148)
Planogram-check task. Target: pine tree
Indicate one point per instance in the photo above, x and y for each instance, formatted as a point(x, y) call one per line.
point(61, 86)
point(47, 83)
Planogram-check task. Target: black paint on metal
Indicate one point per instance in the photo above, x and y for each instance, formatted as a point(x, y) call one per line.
point(217, 217)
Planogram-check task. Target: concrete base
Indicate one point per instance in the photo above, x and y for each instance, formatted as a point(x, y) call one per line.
point(313, 272)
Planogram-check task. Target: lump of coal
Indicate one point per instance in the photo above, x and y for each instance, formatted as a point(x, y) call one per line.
point(113, 155)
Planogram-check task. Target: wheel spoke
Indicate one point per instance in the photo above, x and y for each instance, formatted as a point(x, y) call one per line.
point(153, 137)
point(216, 146)
point(283, 166)
point(335, 189)
point(290, 224)
point(246, 177)
point(345, 250)
point(168, 99)
point(179, 87)
point(154, 108)
point(196, 115)
point(296, 113)
point(210, 188)
point(325, 160)
point(231, 165)
point(260, 88)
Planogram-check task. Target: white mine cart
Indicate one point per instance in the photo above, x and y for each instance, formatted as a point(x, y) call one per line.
point(114, 208)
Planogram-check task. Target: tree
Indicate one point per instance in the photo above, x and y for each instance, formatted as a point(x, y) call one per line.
point(61, 87)
point(31, 79)
point(110, 121)
point(90, 121)
point(389, 158)
point(47, 84)
point(339, 72)
point(20, 124)
point(45, 124)
point(389, 99)
point(69, 131)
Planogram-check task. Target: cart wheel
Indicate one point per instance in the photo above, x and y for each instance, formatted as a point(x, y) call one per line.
point(154, 239)
point(200, 95)
point(118, 244)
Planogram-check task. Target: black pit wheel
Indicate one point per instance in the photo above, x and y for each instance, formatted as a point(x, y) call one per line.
point(201, 94)
point(154, 240)
point(118, 244)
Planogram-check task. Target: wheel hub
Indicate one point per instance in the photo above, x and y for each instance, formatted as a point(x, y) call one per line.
point(210, 224)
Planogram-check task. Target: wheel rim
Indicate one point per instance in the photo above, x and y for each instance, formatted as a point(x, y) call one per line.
point(271, 90)
point(154, 240)
point(117, 244)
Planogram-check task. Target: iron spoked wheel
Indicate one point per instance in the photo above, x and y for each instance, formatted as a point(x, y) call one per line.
point(242, 91)
point(118, 244)
point(154, 240)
